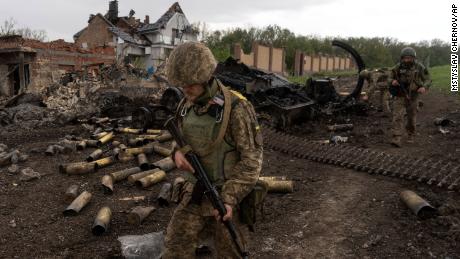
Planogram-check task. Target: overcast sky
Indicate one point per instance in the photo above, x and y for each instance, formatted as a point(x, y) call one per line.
point(407, 21)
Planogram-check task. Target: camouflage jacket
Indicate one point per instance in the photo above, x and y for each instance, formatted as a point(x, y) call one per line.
point(374, 76)
point(243, 132)
point(416, 75)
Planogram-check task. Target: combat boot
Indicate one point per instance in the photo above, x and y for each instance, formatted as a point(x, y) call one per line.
point(396, 141)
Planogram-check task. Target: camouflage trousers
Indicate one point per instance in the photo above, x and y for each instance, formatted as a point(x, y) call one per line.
point(383, 98)
point(401, 107)
point(189, 225)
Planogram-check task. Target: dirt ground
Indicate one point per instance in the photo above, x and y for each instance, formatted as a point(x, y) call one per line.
point(333, 213)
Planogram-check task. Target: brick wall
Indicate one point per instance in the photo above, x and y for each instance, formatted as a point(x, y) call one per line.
point(96, 34)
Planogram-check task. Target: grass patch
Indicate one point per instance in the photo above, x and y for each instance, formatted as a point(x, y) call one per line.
point(441, 78)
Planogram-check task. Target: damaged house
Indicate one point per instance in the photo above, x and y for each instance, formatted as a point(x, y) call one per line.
point(142, 43)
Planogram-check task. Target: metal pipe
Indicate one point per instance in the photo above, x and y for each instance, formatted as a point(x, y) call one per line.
point(102, 221)
point(71, 193)
point(151, 179)
point(177, 189)
point(95, 155)
point(107, 184)
point(164, 196)
point(143, 162)
point(81, 201)
point(78, 168)
point(134, 177)
point(166, 164)
point(123, 174)
point(138, 214)
point(418, 205)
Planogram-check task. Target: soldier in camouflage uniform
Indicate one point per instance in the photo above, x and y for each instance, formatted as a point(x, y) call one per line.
point(373, 77)
point(407, 81)
point(233, 164)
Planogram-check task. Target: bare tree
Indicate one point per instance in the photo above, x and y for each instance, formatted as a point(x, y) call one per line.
point(9, 28)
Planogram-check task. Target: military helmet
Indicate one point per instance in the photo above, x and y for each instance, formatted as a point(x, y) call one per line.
point(408, 51)
point(190, 63)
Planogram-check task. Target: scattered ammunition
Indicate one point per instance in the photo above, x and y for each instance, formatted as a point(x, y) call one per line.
point(177, 189)
point(153, 131)
point(418, 205)
point(138, 214)
point(99, 135)
point(143, 162)
point(78, 168)
point(105, 139)
point(95, 155)
point(50, 150)
point(151, 179)
point(136, 142)
point(134, 198)
point(161, 150)
point(166, 164)
point(129, 130)
point(280, 186)
point(115, 143)
point(116, 151)
point(92, 143)
point(71, 193)
point(273, 178)
point(135, 151)
point(98, 130)
point(102, 221)
point(122, 147)
point(149, 137)
point(107, 184)
point(124, 157)
point(104, 162)
point(134, 177)
point(340, 127)
point(166, 136)
point(102, 120)
point(123, 174)
point(78, 204)
point(81, 145)
point(164, 197)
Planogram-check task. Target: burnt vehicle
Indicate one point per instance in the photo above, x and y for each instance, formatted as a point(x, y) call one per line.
point(279, 102)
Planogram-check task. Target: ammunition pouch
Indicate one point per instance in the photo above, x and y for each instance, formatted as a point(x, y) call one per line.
point(252, 203)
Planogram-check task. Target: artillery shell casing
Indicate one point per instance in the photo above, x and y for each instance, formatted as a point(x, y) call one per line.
point(124, 157)
point(99, 135)
point(143, 162)
point(136, 142)
point(78, 204)
point(153, 131)
point(149, 137)
point(102, 221)
point(71, 193)
point(418, 205)
point(134, 177)
point(95, 155)
point(134, 151)
point(338, 127)
point(107, 184)
point(151, 179)
point(123, 174)
point(92, 143)
point(164, 196)
point(105, 139)
point(162, 150)
point(122, 147)
point(280, 186)
point(78, 168)
point(138, 214)
point(166, 136)
point(129, 130)
point(272, 178)
point(81, 145)
point(115, 143)
point(177, 189)
point(49, 150)
point(166, 164)
point(104, 162)
point(116, 151)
